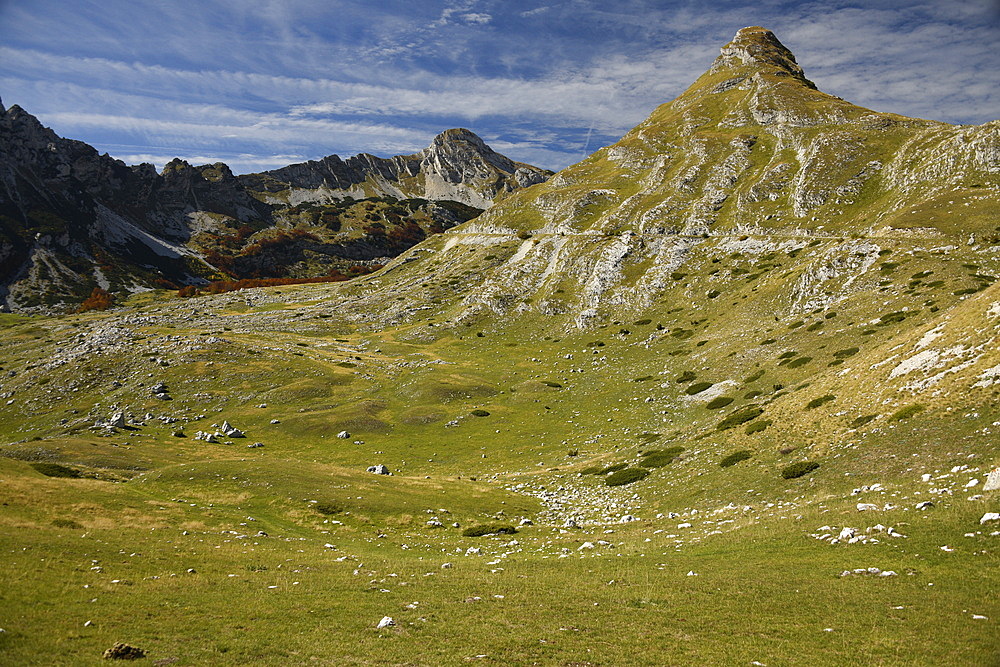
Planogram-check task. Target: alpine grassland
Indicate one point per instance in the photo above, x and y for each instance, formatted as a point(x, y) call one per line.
point(595, 402)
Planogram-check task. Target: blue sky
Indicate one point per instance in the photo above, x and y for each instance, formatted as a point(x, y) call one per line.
point(262, 84)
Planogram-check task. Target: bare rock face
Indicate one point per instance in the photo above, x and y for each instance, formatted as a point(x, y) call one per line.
point(72, 220)
point(457, 166)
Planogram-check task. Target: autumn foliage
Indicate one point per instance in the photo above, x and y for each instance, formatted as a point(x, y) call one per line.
point(222, 286)
point(99, 299)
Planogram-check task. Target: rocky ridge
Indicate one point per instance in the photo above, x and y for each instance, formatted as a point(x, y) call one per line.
point(72, 219)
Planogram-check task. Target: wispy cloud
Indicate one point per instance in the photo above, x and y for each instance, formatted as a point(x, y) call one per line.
point(294, 77)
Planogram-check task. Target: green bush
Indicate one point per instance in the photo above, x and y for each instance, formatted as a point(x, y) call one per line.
point(740, 417)
point(799, 469)
point(591, 470)
point(685, 377)
point(614, 467)
point(554, 385)
point(328, 508)
point(489, 529)
point(56, 470)
point(627, 476)
point(66, 523)
point(719, 402)
point(801, 361)
point(697, 388)
point(843, 354)
point(649, 437)
point(816, 402)
point(757, 427)
point(480, 413)
point(735, 458)
point(906, 413)
point(659, 458)
point(861, 421)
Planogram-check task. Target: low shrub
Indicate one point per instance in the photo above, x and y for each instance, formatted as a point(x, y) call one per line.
point(66, 523)
point(735, 458)
point(685, 377)
point(816, 402)
point(614, 467)
point(719, 402)
point(757, 427)
point(626, 476)
point(56, 470)
point(740, 417)
point(801, 361)
point(861, 421)
point(697, 388)
point(649, 437)
point(480, 413)
point(844, 354)
point(660, 457)
point(907, 412)
point(489, 529)
point(799, 469)
point(328, 508)
point(592, 470)
point(554, 385)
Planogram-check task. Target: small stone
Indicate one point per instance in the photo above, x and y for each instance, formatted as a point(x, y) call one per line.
point(924, 505)
point(386, 622)
point(990, 516)
point(379, 469)
point(344, 435)
point(866, 507)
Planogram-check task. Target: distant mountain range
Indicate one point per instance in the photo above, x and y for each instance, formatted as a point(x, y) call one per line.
point(72, 219)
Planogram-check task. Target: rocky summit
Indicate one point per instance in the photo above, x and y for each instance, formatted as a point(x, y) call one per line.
point(72, 220)
point(724, 392)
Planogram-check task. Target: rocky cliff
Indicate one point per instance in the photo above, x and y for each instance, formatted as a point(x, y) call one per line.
point(72, 219)
point(457, 166)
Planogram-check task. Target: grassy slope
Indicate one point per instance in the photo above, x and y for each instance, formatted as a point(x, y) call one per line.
point(866, 337)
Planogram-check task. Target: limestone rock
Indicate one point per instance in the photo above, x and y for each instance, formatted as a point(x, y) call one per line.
point(992, 480)
point(379, 469)
point(231, 431)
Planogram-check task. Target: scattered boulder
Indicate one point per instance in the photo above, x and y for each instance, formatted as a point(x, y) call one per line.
point(343, 435)
point(254, 445)
point(866, 507)
point(117, 420)
point(231, 431)
point(123, 651)
point(992, 480)
point(924, 505)
point(990, 516)
point(386, 622)
point(379, 469)
point(526, 522)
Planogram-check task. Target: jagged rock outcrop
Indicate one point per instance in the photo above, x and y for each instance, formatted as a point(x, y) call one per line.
point(72, 219)
point(457, 166)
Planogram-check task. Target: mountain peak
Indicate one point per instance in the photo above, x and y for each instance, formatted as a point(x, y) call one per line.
point(757, 47)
